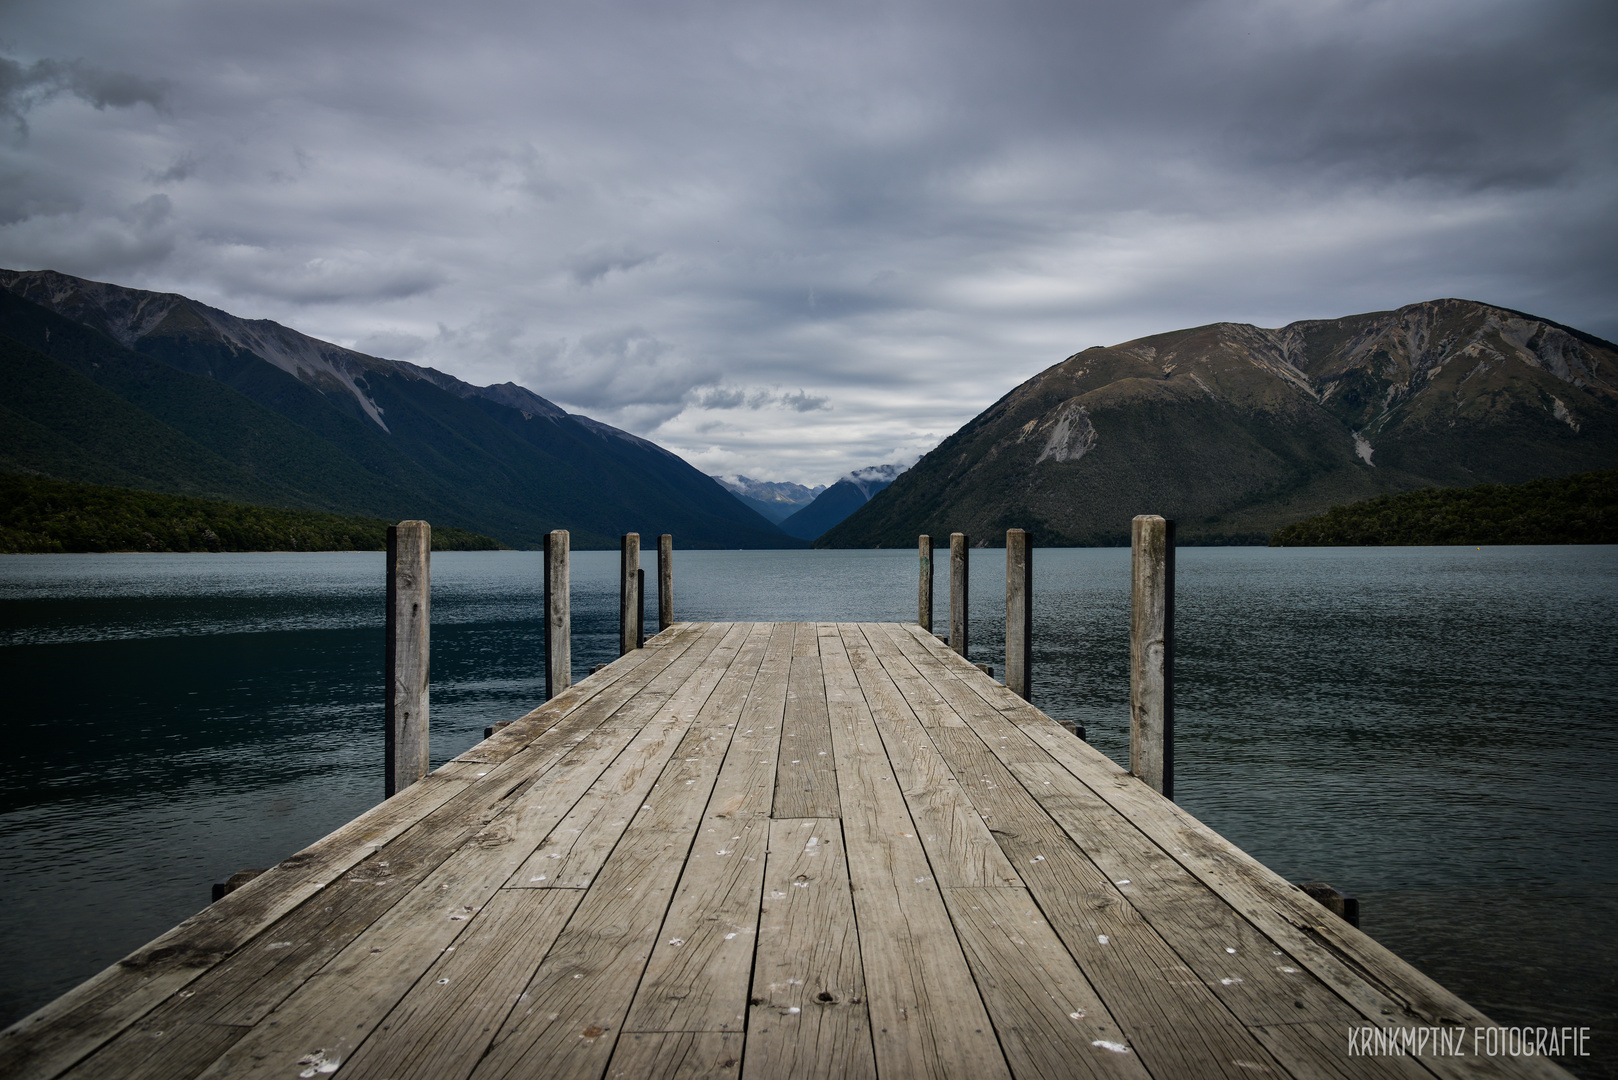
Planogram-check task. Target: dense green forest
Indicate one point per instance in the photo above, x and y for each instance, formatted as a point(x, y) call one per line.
point(1580, 509)
point(39, 515)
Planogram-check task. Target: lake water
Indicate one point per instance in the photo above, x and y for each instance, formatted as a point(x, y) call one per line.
point(1430, 729)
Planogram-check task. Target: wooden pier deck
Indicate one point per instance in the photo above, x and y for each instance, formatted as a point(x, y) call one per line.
point(762, 850)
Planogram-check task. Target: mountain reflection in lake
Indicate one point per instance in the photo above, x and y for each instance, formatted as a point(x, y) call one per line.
point(1431, 729)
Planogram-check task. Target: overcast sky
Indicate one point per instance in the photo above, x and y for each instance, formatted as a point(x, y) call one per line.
point(793, 239)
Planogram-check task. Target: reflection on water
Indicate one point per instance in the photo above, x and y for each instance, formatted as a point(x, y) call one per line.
point(1430, 729)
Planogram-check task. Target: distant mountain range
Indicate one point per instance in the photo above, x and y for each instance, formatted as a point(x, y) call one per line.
point(841, 499)
point(155, 391)
point(1236, 431)
point(775, 500)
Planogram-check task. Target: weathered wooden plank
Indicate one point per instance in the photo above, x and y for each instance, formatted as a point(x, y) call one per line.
point(959, 846)
point(572, 1010)
point(1259, 982)
point(1322, 1050)
point(685, 1055)
point(698, 974)
point(808, 1017)
point(572, 854)
point(1383, 989)
point(261, 977)
point(410, 547)
point(805, 779)
point(927, 1018)
point(1049, 1019)
point(1174, 1022)
point(616, 682)
point(442, 1026)
point(50, 1040)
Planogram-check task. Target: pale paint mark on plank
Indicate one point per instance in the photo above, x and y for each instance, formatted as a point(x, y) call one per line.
point(692, 1055)
point(701, 983)
point(1050, 1021)
point(258, 979)
point(1381, 987)
point(1256, 980)
point(927, 1019)
point(442, 1026)
point(809, 1018)
point(959, 845)
point(571, 1013)
point(48, 1041)
point(1170, 1018)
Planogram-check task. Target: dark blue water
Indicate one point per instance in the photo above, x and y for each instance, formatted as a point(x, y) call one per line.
point(1430, 729)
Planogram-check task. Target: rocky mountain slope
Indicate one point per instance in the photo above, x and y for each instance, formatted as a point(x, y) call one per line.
point(159, 392)
point(1235, 430)
point(841, 499)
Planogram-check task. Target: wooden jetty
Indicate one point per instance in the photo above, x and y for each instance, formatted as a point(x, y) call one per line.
point(766, 850)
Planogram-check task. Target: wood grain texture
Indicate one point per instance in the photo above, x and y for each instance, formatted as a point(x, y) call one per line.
point(805, 779)
point(1151, 653)
point(1019, 613)
point(558, 613)
point(1049, 1019)
point(924, 584)
point(960, 591)
point(629, 598)
point(927, 1018)
point(808, 1015)
point(409, 570)
point(987, 897)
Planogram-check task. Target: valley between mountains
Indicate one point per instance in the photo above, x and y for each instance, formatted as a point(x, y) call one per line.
point(1233, 430)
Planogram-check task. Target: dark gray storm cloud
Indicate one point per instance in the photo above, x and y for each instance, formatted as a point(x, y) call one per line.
point(793, 239)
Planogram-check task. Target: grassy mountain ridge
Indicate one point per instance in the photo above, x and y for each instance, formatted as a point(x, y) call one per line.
point(40, 516)
point(1236, 431)
point(255, 412)
point(1580, 509)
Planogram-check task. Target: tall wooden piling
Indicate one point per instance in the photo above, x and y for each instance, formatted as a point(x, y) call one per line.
point(640, 608)
point(558, 614)
point(1151, 653)
point(665, 582)
point(1019, 612)
point(628, 593)
point(924, 585)
point(959, 567)
point(410, 545)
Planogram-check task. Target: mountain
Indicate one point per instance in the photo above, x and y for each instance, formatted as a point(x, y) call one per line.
point(776, 500)
point(1236, 431)
point(158, 392)
point(835, 503)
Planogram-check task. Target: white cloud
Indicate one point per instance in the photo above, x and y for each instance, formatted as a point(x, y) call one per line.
point(791, 241)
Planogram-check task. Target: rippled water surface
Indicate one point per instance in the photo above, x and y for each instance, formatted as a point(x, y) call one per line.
point(1431, 729)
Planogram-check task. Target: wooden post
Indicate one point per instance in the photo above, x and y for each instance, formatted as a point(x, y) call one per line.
point(628, 592)
point(1151, 653)
point(1019, 612)
point(665, 582)
point(640, 608)
point(410, 545)
point(558, 614)
point(924, 586)
point(959, 566)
